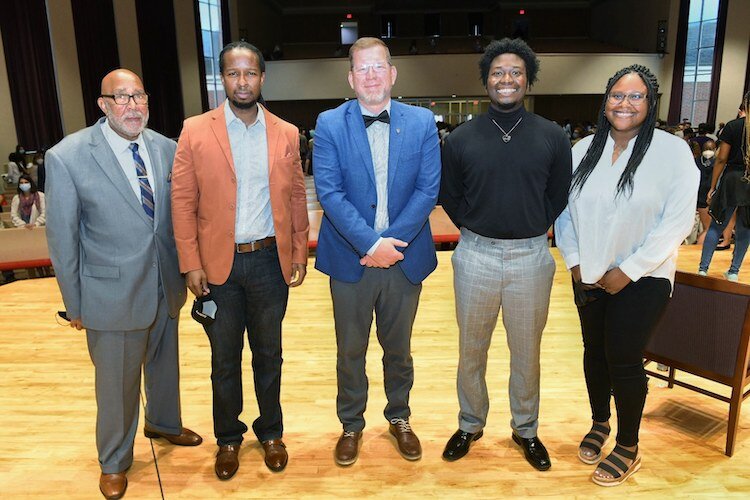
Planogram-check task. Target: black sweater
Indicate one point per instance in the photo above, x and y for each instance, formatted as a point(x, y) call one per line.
point(506, 190)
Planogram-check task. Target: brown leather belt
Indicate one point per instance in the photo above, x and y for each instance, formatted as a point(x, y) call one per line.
point(255, 245)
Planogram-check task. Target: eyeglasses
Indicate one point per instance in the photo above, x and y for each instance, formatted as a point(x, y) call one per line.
point(122, 99)
point(636, 98)
point(378, 68)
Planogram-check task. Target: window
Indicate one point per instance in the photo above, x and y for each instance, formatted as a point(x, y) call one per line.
point(699, 60)
point(453, 110)
point(210, 18)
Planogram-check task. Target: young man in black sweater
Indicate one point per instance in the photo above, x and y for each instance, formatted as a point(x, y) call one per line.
point(506, 176)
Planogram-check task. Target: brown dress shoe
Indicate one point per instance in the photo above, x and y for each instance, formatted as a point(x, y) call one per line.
point(185, 438)
point(408, 442)
point(276, 455)
point(227, 461)
point(113, 486)
point(347, 448)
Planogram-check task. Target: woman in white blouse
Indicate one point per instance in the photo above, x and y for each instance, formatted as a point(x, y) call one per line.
point(632, 203)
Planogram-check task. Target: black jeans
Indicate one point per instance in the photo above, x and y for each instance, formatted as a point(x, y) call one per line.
point(254, 297)
point(615, 330)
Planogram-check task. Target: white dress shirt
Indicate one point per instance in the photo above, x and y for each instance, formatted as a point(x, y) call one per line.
point(249, 144)
point(641, 233)
point(378, 136)
point(121, 148)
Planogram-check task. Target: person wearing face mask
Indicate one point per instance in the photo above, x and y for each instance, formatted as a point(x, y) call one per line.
point(704, 160)
point(28, 207)
point(16, 167)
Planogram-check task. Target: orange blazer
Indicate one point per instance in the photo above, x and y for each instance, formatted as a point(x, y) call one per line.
point(204, 195)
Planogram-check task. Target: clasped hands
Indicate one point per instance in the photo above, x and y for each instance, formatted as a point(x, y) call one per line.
point(385, 254)
point(612, 282)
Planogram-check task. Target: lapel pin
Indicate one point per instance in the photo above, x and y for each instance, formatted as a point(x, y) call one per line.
point(398, 130)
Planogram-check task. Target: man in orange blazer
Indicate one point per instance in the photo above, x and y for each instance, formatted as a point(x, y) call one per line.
point(240, 224)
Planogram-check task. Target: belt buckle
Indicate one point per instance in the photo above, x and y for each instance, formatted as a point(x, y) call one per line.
point(254, 245)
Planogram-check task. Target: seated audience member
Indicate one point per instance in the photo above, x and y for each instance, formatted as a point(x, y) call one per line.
point(27, 208)
point(16, 168)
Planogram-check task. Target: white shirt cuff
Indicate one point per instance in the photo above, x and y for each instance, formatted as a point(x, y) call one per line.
point(372, 248)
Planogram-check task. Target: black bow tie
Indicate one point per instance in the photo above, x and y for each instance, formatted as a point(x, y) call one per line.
point(382, 117)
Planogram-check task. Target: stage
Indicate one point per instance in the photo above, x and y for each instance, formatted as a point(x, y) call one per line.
point(47, 413)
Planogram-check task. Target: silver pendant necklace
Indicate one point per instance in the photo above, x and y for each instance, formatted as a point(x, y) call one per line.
point(506, 135)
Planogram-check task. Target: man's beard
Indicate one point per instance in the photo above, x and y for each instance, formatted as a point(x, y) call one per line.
point(244, 105)
point(121, 126)
point(375, 97)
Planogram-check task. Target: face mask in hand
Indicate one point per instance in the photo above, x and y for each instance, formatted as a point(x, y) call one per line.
point(25, 187)
point(204, 310)
point(708, 154)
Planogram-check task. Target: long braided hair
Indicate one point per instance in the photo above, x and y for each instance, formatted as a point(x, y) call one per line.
point(645, 134)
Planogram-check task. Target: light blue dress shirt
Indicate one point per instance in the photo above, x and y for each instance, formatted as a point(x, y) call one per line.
point(121, 148)
point(378, 136)
point(254, 218)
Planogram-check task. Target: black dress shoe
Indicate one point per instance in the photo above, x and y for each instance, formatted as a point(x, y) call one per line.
point(459, 443)
point(534, 451)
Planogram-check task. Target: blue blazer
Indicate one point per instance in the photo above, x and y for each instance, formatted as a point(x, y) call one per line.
point(345, 183)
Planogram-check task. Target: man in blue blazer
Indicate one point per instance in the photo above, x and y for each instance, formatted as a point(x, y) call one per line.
point(377, 175)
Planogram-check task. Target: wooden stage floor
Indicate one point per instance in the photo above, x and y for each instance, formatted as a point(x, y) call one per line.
point(47, 413)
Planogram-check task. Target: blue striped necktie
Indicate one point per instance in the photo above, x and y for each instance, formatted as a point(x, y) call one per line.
point(147, 194)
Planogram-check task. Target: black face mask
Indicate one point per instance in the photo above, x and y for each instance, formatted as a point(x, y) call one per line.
point(204, 310)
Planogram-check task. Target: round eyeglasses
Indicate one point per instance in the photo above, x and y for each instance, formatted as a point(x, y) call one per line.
point(636, 98)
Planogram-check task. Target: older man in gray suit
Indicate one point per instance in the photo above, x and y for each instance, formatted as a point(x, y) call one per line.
point(111, 243)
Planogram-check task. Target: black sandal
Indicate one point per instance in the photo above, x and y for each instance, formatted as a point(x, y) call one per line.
point(594, 441)
point(620, 472)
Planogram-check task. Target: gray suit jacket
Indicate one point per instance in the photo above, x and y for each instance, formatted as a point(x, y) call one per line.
point(108, 257)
